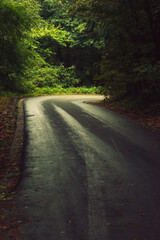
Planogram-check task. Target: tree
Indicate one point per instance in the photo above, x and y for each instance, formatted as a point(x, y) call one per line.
point(131, 31)
point(82, 50)
point(17, 19)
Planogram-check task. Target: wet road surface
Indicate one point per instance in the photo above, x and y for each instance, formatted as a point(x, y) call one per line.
point(89, 173)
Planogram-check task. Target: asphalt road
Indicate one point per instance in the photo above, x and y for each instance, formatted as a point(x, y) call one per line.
point(89, 173)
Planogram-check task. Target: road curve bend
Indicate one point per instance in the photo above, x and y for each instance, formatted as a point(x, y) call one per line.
point(89, 173)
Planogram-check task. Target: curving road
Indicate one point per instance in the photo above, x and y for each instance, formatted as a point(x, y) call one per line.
point(89, 173)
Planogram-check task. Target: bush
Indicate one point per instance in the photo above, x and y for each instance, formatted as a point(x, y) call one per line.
point(147, 80)
point(67, 76)
point(49, 77)
point(45, 77)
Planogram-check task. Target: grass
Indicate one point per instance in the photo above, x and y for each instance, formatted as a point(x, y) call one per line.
point(5, 96)
point(64, 91)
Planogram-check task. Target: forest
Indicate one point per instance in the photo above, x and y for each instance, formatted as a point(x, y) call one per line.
point(90, 46)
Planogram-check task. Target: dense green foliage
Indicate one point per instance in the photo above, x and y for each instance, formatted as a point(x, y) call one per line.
point(16, 20)
point(131, 58)
point(59, 44)
point(83, 49)
point(70, 90)
point(29, 49)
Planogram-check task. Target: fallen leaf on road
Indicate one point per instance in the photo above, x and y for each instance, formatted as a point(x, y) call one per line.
point(26, 195)
point(70, 221)
point(5, 228)
point(142, 214)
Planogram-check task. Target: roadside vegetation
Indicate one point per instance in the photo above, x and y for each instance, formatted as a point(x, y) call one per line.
point(55, 46)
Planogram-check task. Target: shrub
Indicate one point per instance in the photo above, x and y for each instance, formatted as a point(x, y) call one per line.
point(49, 77)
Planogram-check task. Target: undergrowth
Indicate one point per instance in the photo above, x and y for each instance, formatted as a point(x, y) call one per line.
point(6, 95)
point(70, 90)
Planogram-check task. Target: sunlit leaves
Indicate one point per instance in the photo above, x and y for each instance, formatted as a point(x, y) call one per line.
point(47, 30)
point(17, 18)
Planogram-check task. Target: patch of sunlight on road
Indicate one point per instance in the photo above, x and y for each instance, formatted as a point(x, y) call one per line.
point(92, 149)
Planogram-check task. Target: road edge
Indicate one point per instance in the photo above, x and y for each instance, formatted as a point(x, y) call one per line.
point(16, 150)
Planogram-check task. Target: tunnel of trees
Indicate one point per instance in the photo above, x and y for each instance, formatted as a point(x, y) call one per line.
point(108, 43)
